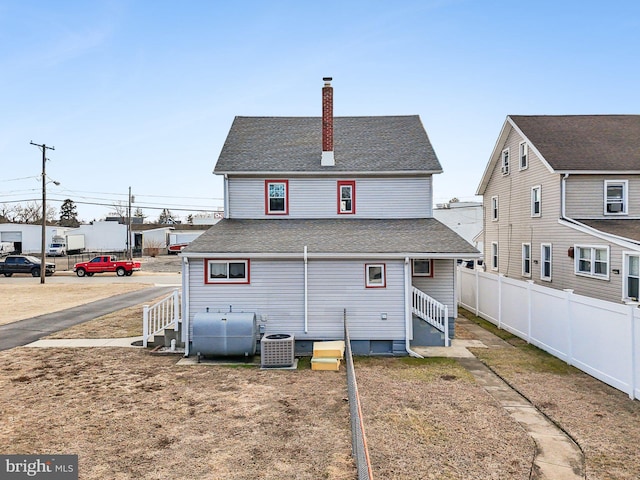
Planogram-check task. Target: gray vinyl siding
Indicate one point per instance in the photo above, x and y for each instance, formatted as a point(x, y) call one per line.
point(585, 196)
point(442, 285)
point(515, 225)
point(276, 295)
point(395, 197)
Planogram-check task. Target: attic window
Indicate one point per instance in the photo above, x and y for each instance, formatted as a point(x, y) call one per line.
point(505, 161)
point(524, 156)
point(276, 197)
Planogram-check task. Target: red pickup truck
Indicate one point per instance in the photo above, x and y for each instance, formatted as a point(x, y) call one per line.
point(106, 263)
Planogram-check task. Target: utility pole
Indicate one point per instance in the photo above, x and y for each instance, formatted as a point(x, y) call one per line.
point(43, 249)
point(129, 246)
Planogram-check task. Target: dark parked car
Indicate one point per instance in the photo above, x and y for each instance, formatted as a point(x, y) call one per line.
point(25, 264)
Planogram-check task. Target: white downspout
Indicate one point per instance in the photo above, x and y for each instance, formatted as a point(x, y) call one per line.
point(563, 195)
point(185, 304)
point(227, 214)
point(306, 293)
point(408, 314)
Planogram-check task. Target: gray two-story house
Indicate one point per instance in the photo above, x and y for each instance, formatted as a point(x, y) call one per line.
point(561, 199)
point(325, 215)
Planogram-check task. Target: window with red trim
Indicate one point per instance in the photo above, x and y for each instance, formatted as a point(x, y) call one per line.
point(226, 271)
point(375, 275)
point(276, 193)
point(422, 267)
point(346, 197)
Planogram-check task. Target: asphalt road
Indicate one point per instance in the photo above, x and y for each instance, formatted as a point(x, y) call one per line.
point(31, 329)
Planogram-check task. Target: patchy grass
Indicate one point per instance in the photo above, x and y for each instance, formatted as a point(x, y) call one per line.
point(427, 418)
point(498, 332)
point(120, 324)
point(602, 420)
point(18, 302)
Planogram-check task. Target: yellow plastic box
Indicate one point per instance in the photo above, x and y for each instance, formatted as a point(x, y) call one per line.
point(331, 364)
point(332, 349)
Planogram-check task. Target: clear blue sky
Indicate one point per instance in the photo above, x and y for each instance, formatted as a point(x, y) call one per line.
point(142, 93)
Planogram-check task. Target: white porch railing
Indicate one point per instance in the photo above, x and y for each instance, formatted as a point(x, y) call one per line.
point(160, 316)
point(432, 312)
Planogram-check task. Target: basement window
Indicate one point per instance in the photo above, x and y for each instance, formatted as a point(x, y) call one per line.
point(226, 271)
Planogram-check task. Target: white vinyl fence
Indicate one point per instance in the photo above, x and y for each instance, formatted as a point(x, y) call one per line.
point(600, 338)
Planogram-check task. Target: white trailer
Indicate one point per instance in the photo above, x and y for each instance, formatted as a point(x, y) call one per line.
point(75, 243)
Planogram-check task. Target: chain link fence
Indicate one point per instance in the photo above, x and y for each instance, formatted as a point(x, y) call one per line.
point(358, 437)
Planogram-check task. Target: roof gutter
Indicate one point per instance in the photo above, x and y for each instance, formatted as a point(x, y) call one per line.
point(328, 256)
point(332, 173)
point(563, 195)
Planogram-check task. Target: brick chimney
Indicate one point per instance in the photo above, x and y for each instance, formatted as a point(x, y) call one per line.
point(327, 124)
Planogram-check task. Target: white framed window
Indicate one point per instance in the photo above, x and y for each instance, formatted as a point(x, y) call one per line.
point(545, 262)
point(524, 155)
point(536, 201)
point(494, 209)
point(422, 267)
point(505, 161)
point(226, 271)
point(346, 197)
point(592, 261)
point(615, 197)
point(276, 193)
point(494, 255)
point(375, 275)
point(526, 259)
point(631, 271)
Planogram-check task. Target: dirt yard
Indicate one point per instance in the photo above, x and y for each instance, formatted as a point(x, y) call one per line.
point(25, 301)
point(129, 413)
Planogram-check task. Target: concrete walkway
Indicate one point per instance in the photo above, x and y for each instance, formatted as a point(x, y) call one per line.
point(26, 331)
point(557, 457)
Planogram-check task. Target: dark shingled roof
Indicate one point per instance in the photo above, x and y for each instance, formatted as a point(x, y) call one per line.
point(585, 142)
point(625, 228)
point(339, 236)
point(294, 145)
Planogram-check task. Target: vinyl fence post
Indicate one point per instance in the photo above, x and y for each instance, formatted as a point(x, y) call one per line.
point(633, 308)
point(529, 309)
point(477, 299)
point(500, 277)
point(569, 292)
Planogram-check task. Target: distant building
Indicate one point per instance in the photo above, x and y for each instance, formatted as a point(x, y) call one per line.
point(464, 218)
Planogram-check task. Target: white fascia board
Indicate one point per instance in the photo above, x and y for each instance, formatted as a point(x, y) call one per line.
point(327, 173)
point(581, 227)
point(599, 172)
point(343, 256)
point(493, 158)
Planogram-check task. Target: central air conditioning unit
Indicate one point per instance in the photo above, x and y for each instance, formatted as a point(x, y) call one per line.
point(277, 350)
